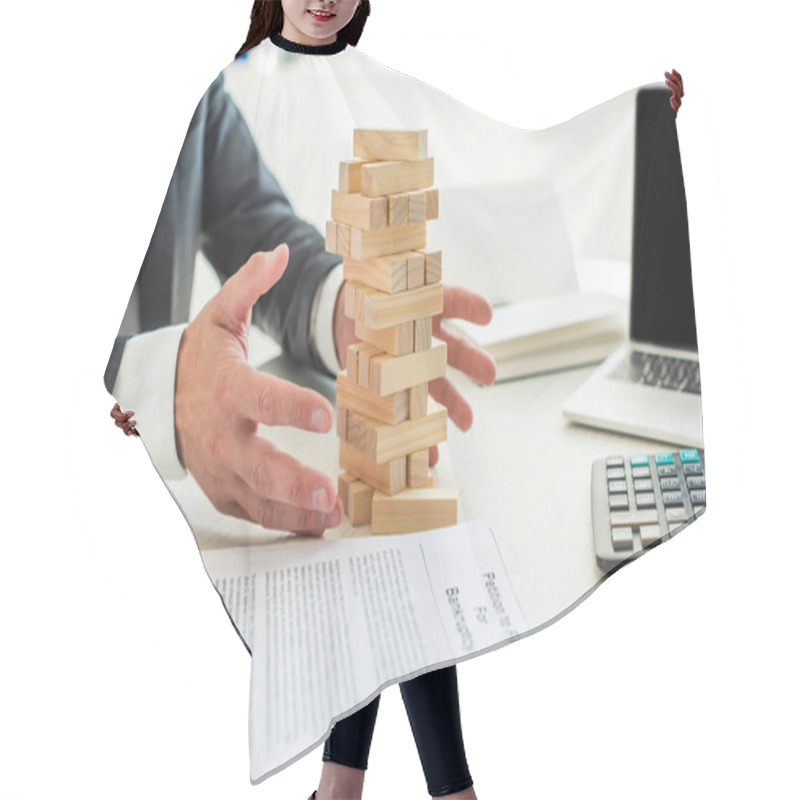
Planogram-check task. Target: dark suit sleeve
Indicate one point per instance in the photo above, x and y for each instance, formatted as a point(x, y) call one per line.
point(244, 210)
point(222, 199)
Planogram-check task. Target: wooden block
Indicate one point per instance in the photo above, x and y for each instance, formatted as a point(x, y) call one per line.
point(350, 299)
point(416, 270)
point(418, 474)
point(392, 409)
point(397, 340)
point(341, 419)
point(418, 400)
point(388, 478)
point(345, 479)
point(356, 499)
point(381, 443)
point(381, 310)
point(414, 510)
point(369, 213)
point(360, 510)
point(390, 145)
point(343, 239)
point(393, 177)
point(390, 374)
point(433, 266)
point(363, 244)
point(352, 363)
point(387, 274)
point(350, 175)
point(366, 351)
point(398, 209)
point(361, 437)
point(417, 207)
point(331, 237)
point(432, 204)
point(423, 337)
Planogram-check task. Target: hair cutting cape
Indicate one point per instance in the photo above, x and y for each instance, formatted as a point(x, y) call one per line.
point(525, 217)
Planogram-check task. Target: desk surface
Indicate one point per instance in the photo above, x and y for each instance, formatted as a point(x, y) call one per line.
point(521, 461)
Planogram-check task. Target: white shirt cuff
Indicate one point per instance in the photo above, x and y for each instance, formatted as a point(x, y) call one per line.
point(322, 319)
point(145, 384)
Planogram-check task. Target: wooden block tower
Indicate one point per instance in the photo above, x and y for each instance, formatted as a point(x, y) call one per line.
point(393, 287)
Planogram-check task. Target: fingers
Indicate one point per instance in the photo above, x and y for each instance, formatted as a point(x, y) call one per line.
point(241, 291)
point(443, 391)
point(119, 415)
point(274, 476)
point(122, 419)
point(274, 401)
point(464, 304)
point(278, 516)
point(675, 77)
point(466, 357)
point(433, 455)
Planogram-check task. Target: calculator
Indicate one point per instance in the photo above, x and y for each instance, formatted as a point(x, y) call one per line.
point(643, 499)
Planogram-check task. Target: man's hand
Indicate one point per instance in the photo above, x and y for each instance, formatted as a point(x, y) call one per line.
point(461, 354)
point(220, 400)
point(124, 420)
point(675, 82)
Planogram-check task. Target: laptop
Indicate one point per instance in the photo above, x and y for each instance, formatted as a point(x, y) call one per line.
point(650, 386)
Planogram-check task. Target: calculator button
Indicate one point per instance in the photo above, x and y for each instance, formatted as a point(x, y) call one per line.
point(692, 469)
point(675, 526)
point(667, 471)
point(649, 534)
point(696, 482)
point(615, 461)
point(622, 538)
point(665, 458)
point(673, 499)
point(643, 485)
point(646, 500)
point(622, 518)
point(676, 514)
point(640, 461)
point(698, 498)
point(641, 472)
point(690, 456)
point(615, 474)
point(670, 484)
point(618, 501)
point(617, 486)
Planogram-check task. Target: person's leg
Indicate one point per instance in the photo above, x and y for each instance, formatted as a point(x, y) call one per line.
point(435, 716)
point(345, 755)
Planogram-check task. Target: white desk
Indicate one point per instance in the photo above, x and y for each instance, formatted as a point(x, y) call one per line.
point(522, 461)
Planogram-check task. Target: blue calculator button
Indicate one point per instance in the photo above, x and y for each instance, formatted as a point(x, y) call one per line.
point(665, 458)
point(689, 456)
point(640, 461)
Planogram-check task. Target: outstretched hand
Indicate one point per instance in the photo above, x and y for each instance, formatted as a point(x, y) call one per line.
point(464, 356)
point(220, 401)
point(675, 82)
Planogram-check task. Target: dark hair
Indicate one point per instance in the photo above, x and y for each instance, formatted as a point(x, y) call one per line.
point(266, 18)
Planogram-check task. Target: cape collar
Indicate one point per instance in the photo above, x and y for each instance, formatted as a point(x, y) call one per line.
point(314, 50)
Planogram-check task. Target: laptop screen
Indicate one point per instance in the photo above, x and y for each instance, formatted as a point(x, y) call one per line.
point(662, 302)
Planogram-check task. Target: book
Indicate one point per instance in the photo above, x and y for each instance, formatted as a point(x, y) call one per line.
point(529, 338)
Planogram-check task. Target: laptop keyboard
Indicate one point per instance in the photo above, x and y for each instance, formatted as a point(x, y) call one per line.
point(666, 372)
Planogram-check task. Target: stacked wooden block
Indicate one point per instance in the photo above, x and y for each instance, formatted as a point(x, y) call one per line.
point(385, 420)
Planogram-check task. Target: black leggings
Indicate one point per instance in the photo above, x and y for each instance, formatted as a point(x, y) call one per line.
point(432, 706)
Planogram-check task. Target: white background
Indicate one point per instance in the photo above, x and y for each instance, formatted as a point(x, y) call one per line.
point(120, 675)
